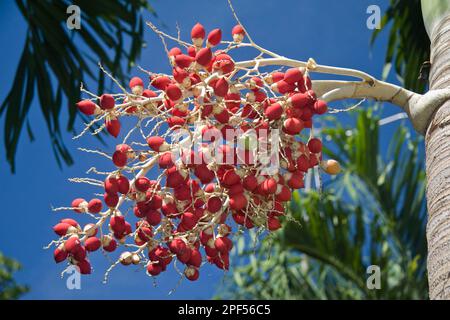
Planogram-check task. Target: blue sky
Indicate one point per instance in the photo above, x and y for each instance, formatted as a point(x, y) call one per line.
point(333, 32)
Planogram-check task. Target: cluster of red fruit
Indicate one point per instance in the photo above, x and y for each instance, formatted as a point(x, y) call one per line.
point(184, 211)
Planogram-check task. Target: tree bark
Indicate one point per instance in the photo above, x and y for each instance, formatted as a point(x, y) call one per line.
point(437, 144)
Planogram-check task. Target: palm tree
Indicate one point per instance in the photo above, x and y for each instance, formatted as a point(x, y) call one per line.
point(408, 36)
point(437, 148)
point(53, 65)
point(372, 214)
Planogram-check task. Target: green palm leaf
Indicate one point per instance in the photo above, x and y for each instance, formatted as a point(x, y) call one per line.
point(55, 60)
point(408, 45)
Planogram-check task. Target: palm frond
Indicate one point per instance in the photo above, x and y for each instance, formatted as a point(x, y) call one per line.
point(56, 60)
point(408, 43)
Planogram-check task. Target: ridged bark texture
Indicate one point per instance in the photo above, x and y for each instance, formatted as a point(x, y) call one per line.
point(437, 143)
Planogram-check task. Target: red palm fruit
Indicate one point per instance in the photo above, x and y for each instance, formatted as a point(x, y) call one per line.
point(254, 84)
point(113, 127)
point(182, 193)
point(119, 159)
point(185, 255)
point(90, 230)
point(177, 246)
point(111, 185)
point(95, 205)
point(61, 229)
point(221, 87)
point(223, 116)
point(299, 100)
point(237, 188)
point(278, 208)
point(84, 266)
point(305, 84)
point(214, 38)
point(59, 254)
point(123, 185)
point(124, 148)
point(117, 224)
point(238, 33)
point(165, 160)
point(79, 254)
point(210, 188)
point(315, 145)
point(274, 77)
point(195, 259)
point(307, 123)
point(87, 107)
point(312, 96)
point(71, 244)
point(206, 235)
point(293, 75)
point(174, 92)
point(109, 244)
point(175, 122)
point(283, 193)
point(210, 249)
point(306, 115)
point(155, 200)
point(250, 182)
point(188, 220)
point(230, 177)
point(238, 201)
point(160, 82)
point(154, 268)
point(136, 85)
point(183, 60)
point(214, 204)
point(111, 200)
point(224, 63)
point(79, 205)
point(233, 101)
point(203, 56)
point(221, 244)
point(174, 178)
point(202, 172)
point(274, 111)
point(169, 209)
point(139, 212)
point(198, 34)
point(156, 143)
point(273, 223)
point(313, 161)
point(303, 163)
point(180, 75)
point(142, 184)
point(295, 180)
point(107, 101)
point(174, 51)
point(222, 261)
point(293, 125)
point(161, 254)
point(153, 217)
point(320, 107)
point(72, 222)
point(192, 51)
point(191, 273)
point(239, 218)
point(145, 234)
point(92, 244)
point(282, 87)
point(269, 186)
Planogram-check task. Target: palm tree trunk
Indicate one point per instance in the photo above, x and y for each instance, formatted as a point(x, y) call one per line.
point(437, 142)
